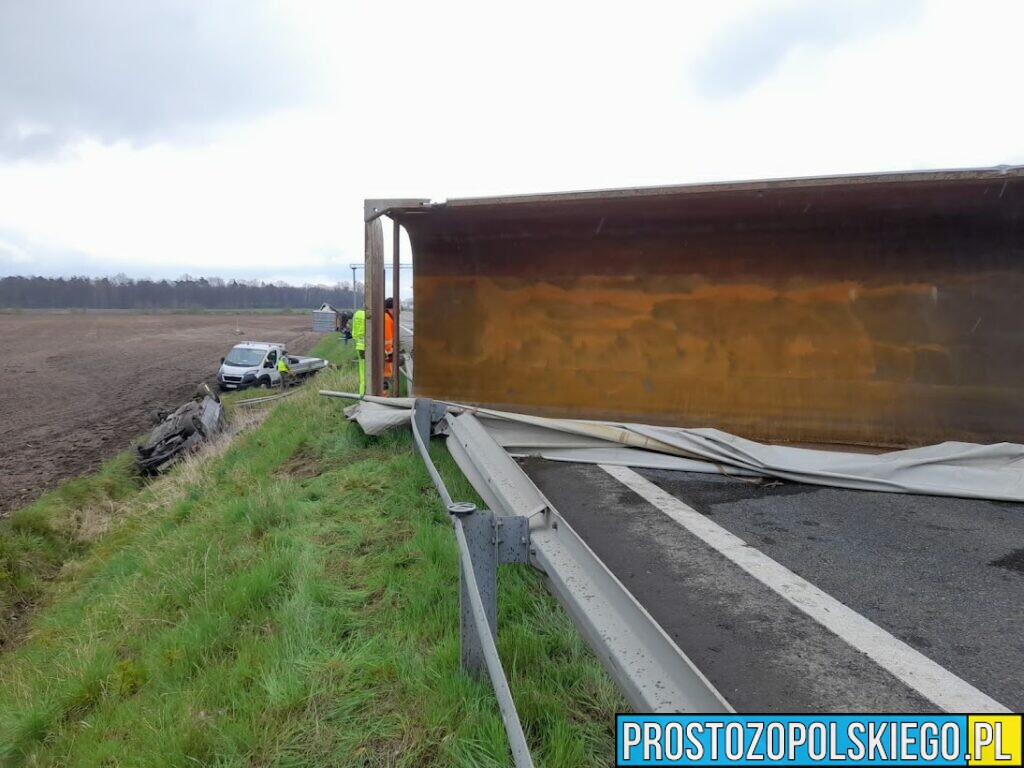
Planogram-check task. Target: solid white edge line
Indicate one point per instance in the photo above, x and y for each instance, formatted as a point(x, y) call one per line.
point(933, 681)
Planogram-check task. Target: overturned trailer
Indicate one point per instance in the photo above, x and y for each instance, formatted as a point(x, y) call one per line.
point(880, 310)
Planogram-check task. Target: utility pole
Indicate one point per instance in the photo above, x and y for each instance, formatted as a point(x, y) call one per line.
point(354, 268)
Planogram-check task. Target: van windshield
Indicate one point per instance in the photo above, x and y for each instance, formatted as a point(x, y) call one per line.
point(245, 357)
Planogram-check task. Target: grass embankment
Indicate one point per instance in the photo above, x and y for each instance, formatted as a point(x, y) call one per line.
point(291, 601)
point(37, 541)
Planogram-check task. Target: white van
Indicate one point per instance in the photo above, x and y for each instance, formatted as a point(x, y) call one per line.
point(254, 364)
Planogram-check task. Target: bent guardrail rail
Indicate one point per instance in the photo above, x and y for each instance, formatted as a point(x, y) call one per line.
point(653, 673)
point(483, 542)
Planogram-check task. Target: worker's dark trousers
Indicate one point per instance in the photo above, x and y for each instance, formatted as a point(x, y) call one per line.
point(286, 380)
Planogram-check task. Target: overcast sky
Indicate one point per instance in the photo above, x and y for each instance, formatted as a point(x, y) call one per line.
point(238, 138)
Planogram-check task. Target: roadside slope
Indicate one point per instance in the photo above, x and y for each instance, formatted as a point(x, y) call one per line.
point(297, 605)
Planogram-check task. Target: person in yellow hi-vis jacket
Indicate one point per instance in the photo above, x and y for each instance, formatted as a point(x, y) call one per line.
point(284, 369)
point(359, 334)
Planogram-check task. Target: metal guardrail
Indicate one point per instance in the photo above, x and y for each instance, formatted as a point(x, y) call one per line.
point(654, 674)
point(265, 399)
point(523, 526)
point(483, 542)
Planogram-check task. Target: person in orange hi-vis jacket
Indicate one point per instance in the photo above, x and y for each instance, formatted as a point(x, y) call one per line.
point(389, 341)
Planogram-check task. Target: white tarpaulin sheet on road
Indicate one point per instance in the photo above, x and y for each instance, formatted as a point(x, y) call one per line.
point(376, 415)
point(965, 470)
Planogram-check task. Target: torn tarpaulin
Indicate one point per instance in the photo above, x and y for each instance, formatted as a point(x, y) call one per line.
point(375, 418)
point(375, 415)
point(965, 470)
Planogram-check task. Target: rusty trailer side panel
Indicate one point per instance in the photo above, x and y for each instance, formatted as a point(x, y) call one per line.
point(876, 310)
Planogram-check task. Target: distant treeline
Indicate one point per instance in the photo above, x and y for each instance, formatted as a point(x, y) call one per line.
point(185, 293)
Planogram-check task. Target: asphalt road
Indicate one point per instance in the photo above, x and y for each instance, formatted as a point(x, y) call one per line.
point(406, 324)
point(944, 576)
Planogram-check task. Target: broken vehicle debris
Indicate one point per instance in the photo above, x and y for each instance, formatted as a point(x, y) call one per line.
point(181, 432)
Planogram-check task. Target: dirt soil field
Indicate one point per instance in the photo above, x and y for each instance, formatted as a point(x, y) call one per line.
point(78, 388)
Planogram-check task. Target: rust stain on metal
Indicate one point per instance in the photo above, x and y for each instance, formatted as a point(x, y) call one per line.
point(883, 316)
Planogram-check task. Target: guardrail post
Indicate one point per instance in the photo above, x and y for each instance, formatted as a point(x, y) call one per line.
point(484, 540)
point(478, 525)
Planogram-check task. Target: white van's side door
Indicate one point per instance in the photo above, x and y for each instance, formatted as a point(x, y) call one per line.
point(271, 358)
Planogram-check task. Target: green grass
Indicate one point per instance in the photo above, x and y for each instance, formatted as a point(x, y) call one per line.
point(38, 540)
point(292, 601)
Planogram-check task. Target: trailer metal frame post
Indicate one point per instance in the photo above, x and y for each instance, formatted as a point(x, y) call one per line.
point(396, 295)
point(373, 299)
point(373, 284)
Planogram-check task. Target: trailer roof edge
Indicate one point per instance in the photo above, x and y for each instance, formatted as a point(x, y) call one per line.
point(400, 206)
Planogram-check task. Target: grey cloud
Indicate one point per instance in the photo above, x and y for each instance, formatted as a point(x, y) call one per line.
point(751, 50)
point(127, 70)
point(22, 255)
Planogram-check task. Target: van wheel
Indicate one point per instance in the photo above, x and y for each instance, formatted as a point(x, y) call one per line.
point(265, 383)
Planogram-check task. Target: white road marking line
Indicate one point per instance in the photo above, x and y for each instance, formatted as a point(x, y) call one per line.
point(931, 680)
